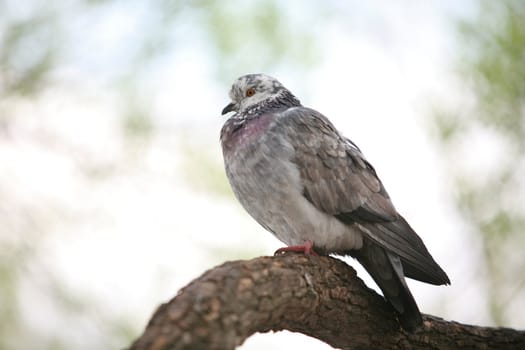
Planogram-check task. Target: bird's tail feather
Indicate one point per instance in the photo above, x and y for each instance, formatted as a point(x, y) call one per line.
point(387, 271)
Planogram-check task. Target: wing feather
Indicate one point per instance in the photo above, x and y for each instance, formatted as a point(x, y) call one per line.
point(333, 169)
point(340, 181)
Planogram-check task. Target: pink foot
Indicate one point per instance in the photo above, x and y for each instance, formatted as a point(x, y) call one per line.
point(306, 248)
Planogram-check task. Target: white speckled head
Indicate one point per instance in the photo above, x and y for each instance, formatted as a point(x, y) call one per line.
point(251, 89)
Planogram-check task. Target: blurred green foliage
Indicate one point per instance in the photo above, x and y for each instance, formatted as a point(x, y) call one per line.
point(258, 34)
point(494, 60)
point(492, 67)
point(24, 61)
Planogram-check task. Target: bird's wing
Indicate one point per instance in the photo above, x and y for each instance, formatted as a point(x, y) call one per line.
point(338, 180)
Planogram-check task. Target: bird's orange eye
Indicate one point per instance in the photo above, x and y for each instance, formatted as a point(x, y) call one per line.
point(250, 92)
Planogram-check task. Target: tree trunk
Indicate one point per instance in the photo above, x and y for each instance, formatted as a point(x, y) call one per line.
point(318, 296)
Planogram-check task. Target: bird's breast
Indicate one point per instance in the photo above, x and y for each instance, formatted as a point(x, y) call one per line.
point(236, 134)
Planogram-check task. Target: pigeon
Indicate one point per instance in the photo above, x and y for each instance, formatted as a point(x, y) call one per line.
point(312, 187)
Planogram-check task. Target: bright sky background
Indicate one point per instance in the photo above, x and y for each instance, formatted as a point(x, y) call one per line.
point(129, 243)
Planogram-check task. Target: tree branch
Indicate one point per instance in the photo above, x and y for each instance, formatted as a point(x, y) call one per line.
point(318, 296)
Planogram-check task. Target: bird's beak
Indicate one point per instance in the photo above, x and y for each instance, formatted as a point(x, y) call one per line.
point(229, 108)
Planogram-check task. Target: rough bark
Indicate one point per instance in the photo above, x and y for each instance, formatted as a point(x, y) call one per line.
point(318, 296)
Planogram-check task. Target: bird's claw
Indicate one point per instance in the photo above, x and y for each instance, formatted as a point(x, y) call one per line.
point(306, 249)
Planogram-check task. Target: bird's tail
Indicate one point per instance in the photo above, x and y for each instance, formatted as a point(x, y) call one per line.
point(387, 271)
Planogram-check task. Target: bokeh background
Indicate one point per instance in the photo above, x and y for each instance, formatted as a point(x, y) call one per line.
point(112, 191)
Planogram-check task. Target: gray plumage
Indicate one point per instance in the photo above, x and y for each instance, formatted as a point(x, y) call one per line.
point(303, 181)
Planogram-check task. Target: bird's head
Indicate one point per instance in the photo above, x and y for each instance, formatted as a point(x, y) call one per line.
point(252, 89)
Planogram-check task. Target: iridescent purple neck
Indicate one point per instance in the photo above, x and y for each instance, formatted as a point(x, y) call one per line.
point(248, 125)
point(236, 134)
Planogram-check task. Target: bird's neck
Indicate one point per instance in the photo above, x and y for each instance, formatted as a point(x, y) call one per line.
point(285, 99)
point(247, 125)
